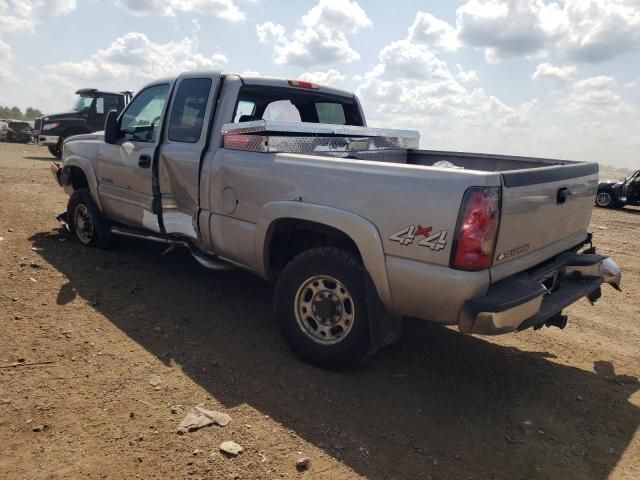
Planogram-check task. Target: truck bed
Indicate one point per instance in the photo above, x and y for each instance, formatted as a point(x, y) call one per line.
point(480, 161)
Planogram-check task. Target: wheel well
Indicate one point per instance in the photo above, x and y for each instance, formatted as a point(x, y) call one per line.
point(611, 191)
point(290, 237)
point(77, 178)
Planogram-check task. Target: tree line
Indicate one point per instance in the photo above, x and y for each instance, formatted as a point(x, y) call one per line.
point(14, 113)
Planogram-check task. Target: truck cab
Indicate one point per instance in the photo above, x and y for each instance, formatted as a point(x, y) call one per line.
point(152, 171)
point(87, 115)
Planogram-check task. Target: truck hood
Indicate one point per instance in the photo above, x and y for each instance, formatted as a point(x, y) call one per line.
point(85, 145)
point(86, 136)
point(71, 115)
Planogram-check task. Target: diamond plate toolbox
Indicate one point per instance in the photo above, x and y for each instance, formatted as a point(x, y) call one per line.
point(320, 139)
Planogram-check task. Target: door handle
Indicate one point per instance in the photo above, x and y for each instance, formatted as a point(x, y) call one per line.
point(144, 161)
point(563, 195)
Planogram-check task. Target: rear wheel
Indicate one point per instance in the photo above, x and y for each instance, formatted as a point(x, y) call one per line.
point(604, 199)
point(86, 222)
point(321, 307)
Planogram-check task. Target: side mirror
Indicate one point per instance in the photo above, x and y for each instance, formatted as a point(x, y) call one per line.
point(111, 129)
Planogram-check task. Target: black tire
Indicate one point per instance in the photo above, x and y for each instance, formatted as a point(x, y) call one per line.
point(56, 150)
point(81, 205)
point(605, 199)
point(353, 343)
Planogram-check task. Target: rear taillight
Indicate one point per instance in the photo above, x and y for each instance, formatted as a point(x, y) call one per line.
point(475, 238)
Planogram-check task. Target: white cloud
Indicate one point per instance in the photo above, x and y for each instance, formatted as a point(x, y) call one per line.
point(270, 32)
point(322, 38)
point(129, 62)
point(601, 82)
point(521, 116)
point(599, 30)
point(588, 31)
point(411, 87)
point(546, 71)
point(594, 96)
point(24, 15)
point(6, 58)
point(226, 9)
point(329, 78)
point(507, 28)
point(346, 15)
point(466, 76)
point(433, 32)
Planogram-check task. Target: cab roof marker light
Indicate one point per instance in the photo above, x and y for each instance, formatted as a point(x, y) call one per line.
point(303, 84)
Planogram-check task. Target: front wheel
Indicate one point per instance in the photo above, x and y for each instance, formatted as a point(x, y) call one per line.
point(56, 150)
point(321, 307)
point(604, 199)
point(85, 221)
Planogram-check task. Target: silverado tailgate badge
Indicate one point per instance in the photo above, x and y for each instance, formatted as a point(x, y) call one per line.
point(514, 252)
point(434, 241)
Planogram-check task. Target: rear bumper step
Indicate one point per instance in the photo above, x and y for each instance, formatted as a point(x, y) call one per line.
point(538, 297)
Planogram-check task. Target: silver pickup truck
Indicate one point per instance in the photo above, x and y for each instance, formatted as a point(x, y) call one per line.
point(357, 226)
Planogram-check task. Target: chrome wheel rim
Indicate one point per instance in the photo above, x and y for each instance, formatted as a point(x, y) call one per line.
point(83, 224)
point(603, 199)
point(324, 309)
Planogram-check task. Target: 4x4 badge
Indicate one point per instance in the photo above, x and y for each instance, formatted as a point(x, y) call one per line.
point(434, 241)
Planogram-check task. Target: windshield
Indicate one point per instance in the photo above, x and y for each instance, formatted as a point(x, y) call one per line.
point(83, 103)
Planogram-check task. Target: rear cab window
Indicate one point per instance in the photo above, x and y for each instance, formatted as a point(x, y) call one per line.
point(295, 105)
point(331, 113)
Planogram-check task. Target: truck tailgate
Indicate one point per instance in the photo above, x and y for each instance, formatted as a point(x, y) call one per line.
point(544, 212)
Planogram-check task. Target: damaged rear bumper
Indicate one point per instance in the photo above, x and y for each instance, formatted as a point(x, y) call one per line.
point(537, 298)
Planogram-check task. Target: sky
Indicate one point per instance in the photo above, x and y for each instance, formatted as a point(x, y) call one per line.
point(558, 79)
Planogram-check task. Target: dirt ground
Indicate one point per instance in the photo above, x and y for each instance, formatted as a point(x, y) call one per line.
point(130, 336)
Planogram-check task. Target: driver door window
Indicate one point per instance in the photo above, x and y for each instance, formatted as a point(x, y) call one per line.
point(141, 120)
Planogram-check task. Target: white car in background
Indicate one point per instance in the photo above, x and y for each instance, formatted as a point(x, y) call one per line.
point(4, 129)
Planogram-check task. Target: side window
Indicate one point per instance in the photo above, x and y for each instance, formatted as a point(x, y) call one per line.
point(244, 109)
point(331, 113)
point(143, 115)
point(282, 110)
point(100, 106)
point(110, 103)
point(187, 113)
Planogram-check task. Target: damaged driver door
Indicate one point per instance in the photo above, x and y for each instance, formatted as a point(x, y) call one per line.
point(186, 138)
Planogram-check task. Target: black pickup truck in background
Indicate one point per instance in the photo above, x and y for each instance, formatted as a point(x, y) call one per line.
point(87, 116)
point(617, 194)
